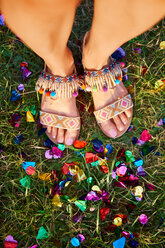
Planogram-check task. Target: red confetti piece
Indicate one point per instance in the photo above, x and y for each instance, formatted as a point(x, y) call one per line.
point(90, 157)
point(150, 186)
point(121, 153)
point(120, 185)
point(65, 168)
point(111, 228)
point(30, 170)
point(104, 169)
point(145, 136)
point(103, 213)
point(143, 70)
point(79, 144)
point(9, 244)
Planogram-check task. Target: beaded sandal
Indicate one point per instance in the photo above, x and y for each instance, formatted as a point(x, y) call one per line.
point(103, 80)
point(58, 87)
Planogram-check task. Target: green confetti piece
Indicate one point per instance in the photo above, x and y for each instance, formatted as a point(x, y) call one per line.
point(42, 233)
point(95, 163)
point(129, 156)
point(81, 204)
point(64, 198)
point(119, 162)
point(61, 147)
point(25, 182)
point(32, 109)
point(89, 180)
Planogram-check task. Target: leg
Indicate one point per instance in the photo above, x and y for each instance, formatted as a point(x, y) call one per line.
point(45, 26)
point(114, 23)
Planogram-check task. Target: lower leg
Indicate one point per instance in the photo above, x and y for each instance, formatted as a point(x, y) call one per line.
point(114, 23)
point(45, 26)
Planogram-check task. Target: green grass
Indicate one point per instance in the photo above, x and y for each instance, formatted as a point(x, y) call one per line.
point(22, 211)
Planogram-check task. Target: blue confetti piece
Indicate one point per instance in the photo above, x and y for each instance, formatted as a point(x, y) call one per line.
point(25, 165)
point(134, 140)
point(120, 243)
point(48, 143)
point(138, 162)
point(75, 242)
point(18, 139)
point(14, 96)
point(41, 131)
point(109, 148)
point(118, 54)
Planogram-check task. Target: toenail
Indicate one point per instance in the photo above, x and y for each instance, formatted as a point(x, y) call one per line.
point(60, 141)
point(125, 121)
point(112, 133)
point(121, 128)
point(69, 142)
point(49, 131)
point(54, 137)
point(129, 114)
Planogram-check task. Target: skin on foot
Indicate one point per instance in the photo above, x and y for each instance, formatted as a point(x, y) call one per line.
point(119, 123)
point(64, 107)
point(116, 126)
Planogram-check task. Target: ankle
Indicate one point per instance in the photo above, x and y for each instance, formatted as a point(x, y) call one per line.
point(93, 59)
point(96, 52)
point(61, 64)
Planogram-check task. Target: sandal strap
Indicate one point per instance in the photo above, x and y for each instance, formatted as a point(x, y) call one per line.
point(114, 109)
point(60, 87)
point(59, 121)
point(104, 79)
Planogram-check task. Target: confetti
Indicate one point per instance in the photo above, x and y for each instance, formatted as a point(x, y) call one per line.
point(24, 70)
point(18, 139)
point(103, 213)
point(120, 243)
point(42, 233)
point(21, 87)
point(133, 243)
point(26, 182)
point(79, 144)
point(15, 96)
point(75, 242)
point(143, 219)
point(80, 204)
point(2, 20)
point(162, 45)
point(10, 242)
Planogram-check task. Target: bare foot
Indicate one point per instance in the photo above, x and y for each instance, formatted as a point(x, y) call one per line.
point(119, 122)
point(64, 107)
point(93, 60)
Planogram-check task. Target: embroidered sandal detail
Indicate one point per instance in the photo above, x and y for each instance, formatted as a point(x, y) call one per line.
point(103, 79)
point(54, 88)
point(114, 109)
point(113, 117)
point(59, 87)
point(59, 121)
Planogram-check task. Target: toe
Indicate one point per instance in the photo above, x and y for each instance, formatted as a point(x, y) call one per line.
point(109, 129)
point(60, 135)
point(71, 136)
point(118, 122)
point(49, 129)
point(128, 112)
point(54, 132)
point(123, 118)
